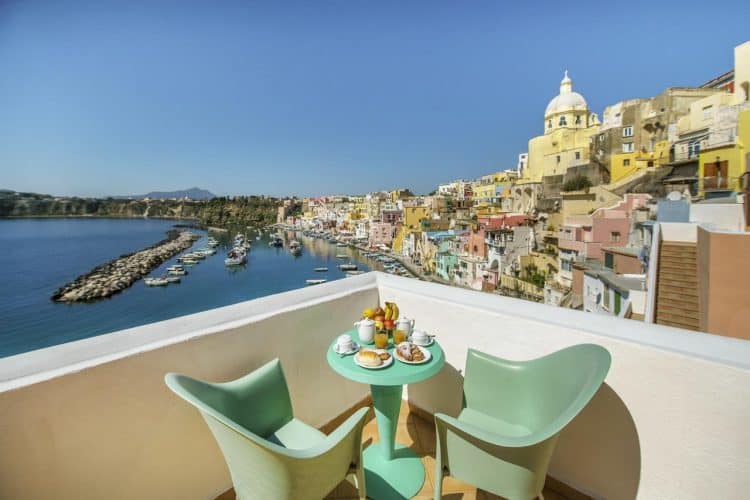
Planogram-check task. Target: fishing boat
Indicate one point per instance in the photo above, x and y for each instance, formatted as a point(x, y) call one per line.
point(320, 269)
point(155, 281)
point(315, 282)
point(348, 267)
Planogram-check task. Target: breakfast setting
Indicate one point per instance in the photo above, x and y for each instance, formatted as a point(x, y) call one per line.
point(385, 351)
point(381, 336)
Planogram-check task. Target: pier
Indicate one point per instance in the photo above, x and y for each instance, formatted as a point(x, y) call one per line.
point(115, 276)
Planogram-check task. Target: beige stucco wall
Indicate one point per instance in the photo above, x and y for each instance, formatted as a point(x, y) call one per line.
point(115, 431)
point(723, 282)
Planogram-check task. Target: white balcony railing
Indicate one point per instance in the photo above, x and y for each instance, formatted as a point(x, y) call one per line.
point(93, 419)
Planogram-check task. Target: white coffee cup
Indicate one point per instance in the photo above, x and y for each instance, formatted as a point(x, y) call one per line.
point(365, 330)
point(344, 343)
point(420, 338)
point(405, 325)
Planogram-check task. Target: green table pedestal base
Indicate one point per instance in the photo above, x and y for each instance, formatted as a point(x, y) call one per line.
point(400, 477)
point(391, 470)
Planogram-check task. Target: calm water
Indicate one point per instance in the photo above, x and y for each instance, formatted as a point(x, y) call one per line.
point(40, 255)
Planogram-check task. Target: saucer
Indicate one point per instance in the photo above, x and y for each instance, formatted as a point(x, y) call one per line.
point(428, 344)
point(355, 348)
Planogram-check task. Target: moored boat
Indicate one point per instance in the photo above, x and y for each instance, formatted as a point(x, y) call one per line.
point(320, 269)
point(348, 267)
point(155, 281)
point(315, 282)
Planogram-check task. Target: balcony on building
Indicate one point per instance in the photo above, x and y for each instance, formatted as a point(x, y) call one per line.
point(93, 418)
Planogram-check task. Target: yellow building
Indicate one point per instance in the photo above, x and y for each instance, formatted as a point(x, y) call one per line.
point(413, 217)
point(726, 117)
point(625, 165)
point(568, 126)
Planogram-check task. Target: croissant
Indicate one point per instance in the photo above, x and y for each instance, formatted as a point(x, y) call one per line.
point(369, 358)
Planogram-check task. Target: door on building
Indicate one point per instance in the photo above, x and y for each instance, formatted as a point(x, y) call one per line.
point(715, 175)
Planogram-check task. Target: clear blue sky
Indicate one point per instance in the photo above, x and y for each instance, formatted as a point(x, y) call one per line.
point(318, 97)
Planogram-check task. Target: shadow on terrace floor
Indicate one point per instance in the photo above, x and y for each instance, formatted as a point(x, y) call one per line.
point(419, 434)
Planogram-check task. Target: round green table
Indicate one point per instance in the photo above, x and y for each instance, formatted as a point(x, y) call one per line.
point(391, 470)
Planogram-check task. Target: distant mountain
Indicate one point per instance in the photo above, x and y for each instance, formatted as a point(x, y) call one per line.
point(192, 193)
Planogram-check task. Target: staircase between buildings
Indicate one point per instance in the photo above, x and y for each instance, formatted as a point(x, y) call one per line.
point(677, 286)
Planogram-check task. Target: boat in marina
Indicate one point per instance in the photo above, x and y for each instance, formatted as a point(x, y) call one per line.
point(172, 279)
point(320, 269)
point(176, 271)
point(315, 282)
point(348, 267)
point(236, 257)
point(342, 256)
point(187, 261)
point(156, 281)
point(295, 247)
point(354, 273)
point(212, 242)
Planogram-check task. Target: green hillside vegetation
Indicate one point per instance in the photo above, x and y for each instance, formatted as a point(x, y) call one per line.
point(223, 211)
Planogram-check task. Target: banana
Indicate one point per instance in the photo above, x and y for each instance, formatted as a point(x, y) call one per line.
point(394, 312)
point(388, 311)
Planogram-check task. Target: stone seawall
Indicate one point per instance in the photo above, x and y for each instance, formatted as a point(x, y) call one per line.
point(117, 275)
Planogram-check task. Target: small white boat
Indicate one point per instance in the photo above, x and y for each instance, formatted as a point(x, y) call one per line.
point(173, 279)
point(155, 281)
point(348, 267)
point(176, 272)
point(342, 256)
point(188, 262)
point(315, 282)
point(354, 273)
point(320, 269)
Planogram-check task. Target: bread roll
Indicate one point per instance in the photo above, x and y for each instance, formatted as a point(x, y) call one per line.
point(370, 358)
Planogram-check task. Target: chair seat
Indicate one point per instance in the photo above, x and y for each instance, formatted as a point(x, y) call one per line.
point(296, 435)
point(492, 424)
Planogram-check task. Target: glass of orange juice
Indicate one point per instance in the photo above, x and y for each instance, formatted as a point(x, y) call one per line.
point(398, 336)
point(381, 339)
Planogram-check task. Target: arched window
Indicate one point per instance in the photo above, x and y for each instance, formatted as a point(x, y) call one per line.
point(549, 124)
point(562, 122)
point(578, 119)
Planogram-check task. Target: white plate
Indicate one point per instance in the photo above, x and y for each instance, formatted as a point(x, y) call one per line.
point(427, 356)
point(383, 365)
point(355, 348)
point(428, 344)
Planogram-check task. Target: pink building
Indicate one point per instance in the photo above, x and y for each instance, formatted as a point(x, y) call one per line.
point(583, 236)
point(476, 246)
point(381, 233)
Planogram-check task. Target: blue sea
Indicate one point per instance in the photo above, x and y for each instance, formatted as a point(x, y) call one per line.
point(37, 256)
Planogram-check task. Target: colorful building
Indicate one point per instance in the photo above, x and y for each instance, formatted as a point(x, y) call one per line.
point(568, 127)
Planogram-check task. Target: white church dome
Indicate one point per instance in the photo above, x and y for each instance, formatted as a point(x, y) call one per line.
point(567, 99)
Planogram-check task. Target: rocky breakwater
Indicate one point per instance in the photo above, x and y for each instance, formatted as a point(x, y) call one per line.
point(117, 275)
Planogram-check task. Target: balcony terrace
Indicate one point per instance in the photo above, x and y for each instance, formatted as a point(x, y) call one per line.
point(94, 419)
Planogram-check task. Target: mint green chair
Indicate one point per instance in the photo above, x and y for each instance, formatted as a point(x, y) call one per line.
point(271, 454)
point(513, 413)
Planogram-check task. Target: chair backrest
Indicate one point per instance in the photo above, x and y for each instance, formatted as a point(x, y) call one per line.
point(535, 393)
point(259, 401)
